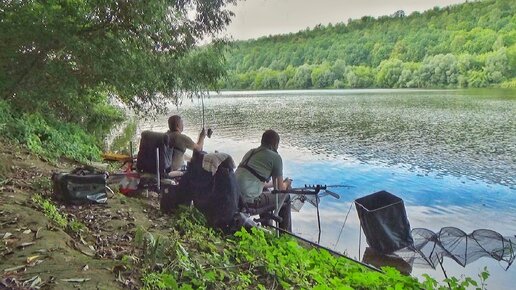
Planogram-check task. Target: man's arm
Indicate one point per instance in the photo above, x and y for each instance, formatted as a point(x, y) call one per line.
point(277, 175)
point(283, 184)
point(200, 141)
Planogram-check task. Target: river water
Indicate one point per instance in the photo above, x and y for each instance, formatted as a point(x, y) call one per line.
point(449, 154)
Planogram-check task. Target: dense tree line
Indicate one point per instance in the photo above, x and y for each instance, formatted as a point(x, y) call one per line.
point(465, 45)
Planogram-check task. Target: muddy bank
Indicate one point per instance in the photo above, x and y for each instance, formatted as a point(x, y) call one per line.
point(37, 252)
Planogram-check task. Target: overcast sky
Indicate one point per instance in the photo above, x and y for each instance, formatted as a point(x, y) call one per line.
point(255, 18)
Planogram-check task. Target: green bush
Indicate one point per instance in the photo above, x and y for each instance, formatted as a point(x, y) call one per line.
point(511, 84)
point(47, 137)
point(197, 257)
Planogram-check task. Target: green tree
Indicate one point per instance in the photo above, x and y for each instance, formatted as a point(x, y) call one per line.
point(339, 68)
point(322, 76)
point(410, 77)
point(360, 77)
point(389, 72)
point(478, 79)
point(60, 54)
point(302, 79)
point(511, 59)
point(496, 66)
point(439, 70)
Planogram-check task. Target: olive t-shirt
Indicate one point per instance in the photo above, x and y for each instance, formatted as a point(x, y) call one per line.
point(266, 163)
point(179, 142)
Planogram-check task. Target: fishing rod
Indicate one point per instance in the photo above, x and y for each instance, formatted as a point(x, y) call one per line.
point(210, 131)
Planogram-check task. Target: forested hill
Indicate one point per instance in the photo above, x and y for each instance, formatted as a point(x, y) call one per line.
point(466, 45)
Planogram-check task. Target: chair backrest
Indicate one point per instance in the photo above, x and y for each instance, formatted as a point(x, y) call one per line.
point(146, 161)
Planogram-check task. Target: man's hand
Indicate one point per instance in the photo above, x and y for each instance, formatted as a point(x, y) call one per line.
point(200, 142)
point(202, 135)
point(287, 183)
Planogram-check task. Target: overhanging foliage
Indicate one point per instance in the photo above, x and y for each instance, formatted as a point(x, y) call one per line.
point(71, 56)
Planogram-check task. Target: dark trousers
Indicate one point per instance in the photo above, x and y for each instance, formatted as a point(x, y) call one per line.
point(267, 199)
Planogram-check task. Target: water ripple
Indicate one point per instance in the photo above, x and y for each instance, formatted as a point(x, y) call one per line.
point(460, 133)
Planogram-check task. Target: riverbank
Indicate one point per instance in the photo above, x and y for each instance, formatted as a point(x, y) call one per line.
point(36, 251)
point(129, 244)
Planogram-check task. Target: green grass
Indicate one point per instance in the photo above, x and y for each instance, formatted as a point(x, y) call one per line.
point(56, 217)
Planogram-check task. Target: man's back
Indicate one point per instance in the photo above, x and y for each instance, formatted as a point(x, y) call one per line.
point(265, 163)
point(178, 142)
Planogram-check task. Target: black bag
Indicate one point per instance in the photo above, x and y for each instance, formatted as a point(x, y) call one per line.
point(221, 203)
point(172, 196)
point(82, 185)
point(217, 196)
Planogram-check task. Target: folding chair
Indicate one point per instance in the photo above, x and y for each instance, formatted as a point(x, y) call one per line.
point(154, 156)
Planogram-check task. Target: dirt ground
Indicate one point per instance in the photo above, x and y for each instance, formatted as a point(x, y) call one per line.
point(36, 253)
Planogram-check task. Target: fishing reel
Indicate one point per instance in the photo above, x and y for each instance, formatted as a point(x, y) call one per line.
point(208, 132)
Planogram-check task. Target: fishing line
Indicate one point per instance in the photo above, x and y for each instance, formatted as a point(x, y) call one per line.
point(210, 131)
point(318, 218)
point(344, 224)
point(202, 105)
point(359, 240)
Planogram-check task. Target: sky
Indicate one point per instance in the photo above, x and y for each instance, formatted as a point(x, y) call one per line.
point(256, 18)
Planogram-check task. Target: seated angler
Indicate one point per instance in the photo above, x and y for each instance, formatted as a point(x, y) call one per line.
point(253, 174)
point(178, 143)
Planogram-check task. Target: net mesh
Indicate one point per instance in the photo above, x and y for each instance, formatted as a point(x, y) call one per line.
point(429, 247)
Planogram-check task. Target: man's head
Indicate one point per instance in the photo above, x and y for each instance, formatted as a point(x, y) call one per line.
point(270, 139)
point(175, 123)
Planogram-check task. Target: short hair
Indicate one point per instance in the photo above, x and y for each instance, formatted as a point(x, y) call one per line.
point(270, 139)
point(173, 122)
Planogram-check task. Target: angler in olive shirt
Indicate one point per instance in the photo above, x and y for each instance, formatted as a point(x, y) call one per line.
point(255, 172)
point(179, 142)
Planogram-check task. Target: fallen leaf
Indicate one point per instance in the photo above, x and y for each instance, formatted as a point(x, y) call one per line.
point(27, 231)
point(23, 245)
point(50, 227)
point(34, 282)
point(85, 268)
point(36, 234)
point(32, 259)
point(7, 235)
point(77, 247)
point(76, 280)
point(14, 268)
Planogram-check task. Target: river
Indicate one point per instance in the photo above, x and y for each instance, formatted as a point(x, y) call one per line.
point(449, 154)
